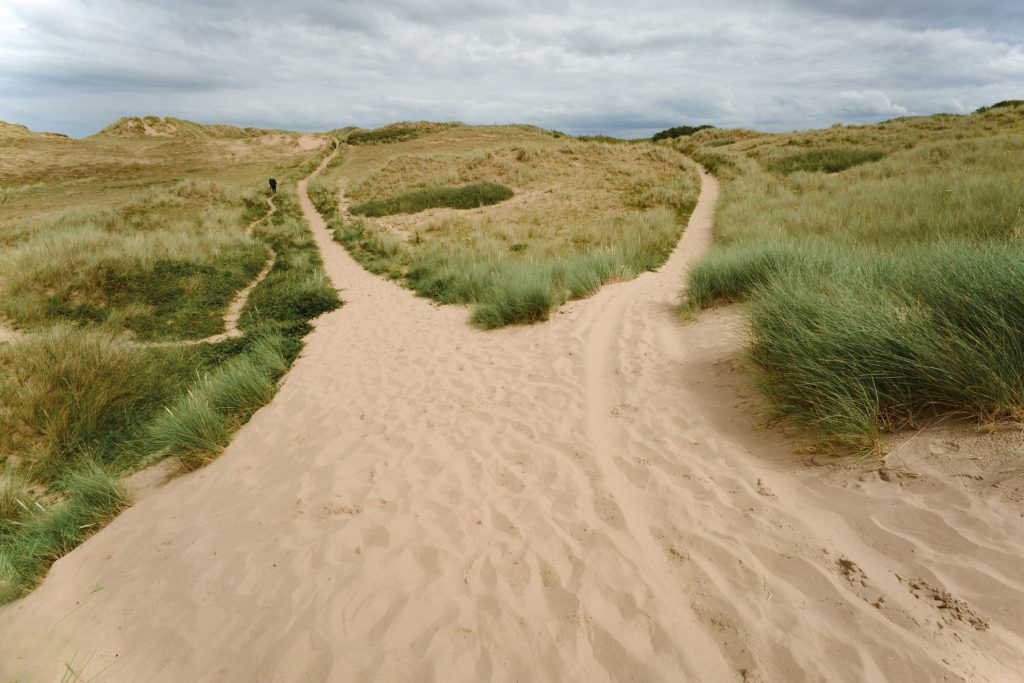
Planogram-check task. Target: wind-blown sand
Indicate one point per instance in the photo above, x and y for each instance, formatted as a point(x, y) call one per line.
point(583, 500)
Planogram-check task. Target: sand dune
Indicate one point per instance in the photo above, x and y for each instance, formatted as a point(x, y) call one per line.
point(583, 500)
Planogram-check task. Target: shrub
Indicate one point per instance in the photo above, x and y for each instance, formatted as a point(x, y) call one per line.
point(678, 132)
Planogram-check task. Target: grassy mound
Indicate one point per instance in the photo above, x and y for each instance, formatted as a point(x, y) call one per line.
point(170, 127)
point(468, 197)
point(597, 212)
point(887, 296)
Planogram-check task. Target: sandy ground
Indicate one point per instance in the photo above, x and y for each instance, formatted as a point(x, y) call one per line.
point(583, 500)
point(7, 334)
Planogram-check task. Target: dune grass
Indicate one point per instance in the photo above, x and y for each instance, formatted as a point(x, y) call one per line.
point(34, 533)
point(163, 266)
point(468, 197)
point(886, 342)
point(394, 132)
point(583, 214)
point(81, 406)
point(296, 290)
point(197, 426)
point(888, 293)
point(827, 160)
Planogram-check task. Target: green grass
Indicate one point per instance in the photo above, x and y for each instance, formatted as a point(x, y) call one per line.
point(33, 535)
point(296, 289)
point(1001, 105)
point(889, 295)
point(199, 424)
point(678, 132)
point(829, 160)
point(81, 406)
point(69, 394)
point(163, 266)
point(382, 136)
point(889, 340)
point(468, 197)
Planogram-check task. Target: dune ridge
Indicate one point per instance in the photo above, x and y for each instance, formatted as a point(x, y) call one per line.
point(588, 499)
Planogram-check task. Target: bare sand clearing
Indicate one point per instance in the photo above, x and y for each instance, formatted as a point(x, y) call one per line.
point(7, 334)
point(583, 500)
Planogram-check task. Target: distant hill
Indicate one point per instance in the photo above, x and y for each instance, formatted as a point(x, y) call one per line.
point(16, 130)
point(170, 127)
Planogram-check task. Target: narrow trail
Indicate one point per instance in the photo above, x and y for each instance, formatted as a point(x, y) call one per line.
point(234, 311)
point(231, 315)
point(582, 500)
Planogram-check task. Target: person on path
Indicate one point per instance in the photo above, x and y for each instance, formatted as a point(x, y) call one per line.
point(273, 186)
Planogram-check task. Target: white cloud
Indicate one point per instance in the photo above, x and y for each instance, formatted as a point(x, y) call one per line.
point(867, 104)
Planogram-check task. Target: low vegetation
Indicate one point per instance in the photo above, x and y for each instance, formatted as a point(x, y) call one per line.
point(678, 132)
point(583, 214)
point(827, 160)
point(162, 266)
point(882, 294)
point(395, 132)
point(468, 197)
point(84, 398)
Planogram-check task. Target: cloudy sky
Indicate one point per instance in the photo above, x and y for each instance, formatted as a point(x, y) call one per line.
point(608, 66)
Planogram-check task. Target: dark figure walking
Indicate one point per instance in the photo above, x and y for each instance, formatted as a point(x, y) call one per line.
point(273, 186)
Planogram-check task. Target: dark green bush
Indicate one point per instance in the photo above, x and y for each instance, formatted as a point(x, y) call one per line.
point(467, 197)
point(678, 132)
point(1000, 105)
point(383, 136)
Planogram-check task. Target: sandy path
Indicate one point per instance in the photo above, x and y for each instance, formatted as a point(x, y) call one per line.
point(582, 500)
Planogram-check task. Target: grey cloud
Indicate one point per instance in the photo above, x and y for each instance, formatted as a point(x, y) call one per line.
point(995, 15)
point(603, 66)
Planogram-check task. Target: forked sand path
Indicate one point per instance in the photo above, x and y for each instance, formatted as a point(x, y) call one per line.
point(582, 500)
point(231, 315)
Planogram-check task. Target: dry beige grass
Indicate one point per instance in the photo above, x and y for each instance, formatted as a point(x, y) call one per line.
point(44, 173)
point(559, 182)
